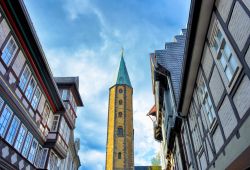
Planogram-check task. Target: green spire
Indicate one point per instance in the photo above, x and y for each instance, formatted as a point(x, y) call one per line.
point(122, 76)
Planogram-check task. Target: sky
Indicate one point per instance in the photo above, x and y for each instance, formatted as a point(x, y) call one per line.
point(84, 38)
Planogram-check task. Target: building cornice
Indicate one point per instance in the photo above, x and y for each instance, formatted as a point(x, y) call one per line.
point(199, 19)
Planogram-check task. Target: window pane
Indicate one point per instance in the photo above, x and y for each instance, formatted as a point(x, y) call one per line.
point(36, 98)
point(24, 78)
point(219, 35)
point(20, 138)
point(12, 130)
point(228, 74)
point(5, 120)
point(120, 131)
point(233, 63)
point(216, 46)
point(32, 151)
point(27, 145)
point(223, 61)
point(30, 89)
point(38, 156)
point(8, 52)
point(1, 103)
point(227, 51)
point(64, 94)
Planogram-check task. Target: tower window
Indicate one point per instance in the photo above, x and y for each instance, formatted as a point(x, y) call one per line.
point(120, 131)
point(120, 114)
point(120, 102)
point(119, 155)
point(120, 90)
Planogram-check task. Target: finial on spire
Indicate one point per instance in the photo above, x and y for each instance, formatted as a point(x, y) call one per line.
point(122, 51)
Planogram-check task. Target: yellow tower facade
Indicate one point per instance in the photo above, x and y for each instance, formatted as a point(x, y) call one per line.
point(120, 132)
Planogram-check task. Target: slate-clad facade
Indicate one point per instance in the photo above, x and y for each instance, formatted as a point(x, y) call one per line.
point(166, 77)
point(214, 92)
point(37, 111)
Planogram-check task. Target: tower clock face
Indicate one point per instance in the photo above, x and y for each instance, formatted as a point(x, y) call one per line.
point(120, 90)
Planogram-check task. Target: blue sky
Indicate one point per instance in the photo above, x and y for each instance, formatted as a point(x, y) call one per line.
point(84, 38)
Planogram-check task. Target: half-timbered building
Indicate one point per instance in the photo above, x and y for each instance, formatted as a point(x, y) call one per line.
point(37, 111)
point(213, 102)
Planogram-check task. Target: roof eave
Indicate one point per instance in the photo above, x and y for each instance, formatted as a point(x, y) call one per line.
point(199, 19)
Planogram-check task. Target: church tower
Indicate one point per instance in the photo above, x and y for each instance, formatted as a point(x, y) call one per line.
point(120, 132)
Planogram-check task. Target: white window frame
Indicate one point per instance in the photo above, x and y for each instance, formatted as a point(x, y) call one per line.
point(38, 156)
point(55, 122)
point(27, 144)
point(30, 91)
point(20, 138)
point(206, 102)
point(36, 99)
point(22, 83)
point(12, 55)
point(228, 66)
point(43, 157)
point(14, 126)
point(5, 122)
point(32, 152)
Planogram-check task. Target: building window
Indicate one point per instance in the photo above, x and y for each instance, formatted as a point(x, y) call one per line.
point(120, 102)
point(43, 157)
point(9, 51)
point(38, 156)
point(206, 102)
point(194, 128)
point(24, 78)
point(64, 94)
point(228, 61)
point(26, 145)
point(64, 130)
point(5, 120)
point(46, 112)
point(12, 130)
point(119, 155)
point(1, 103)
point(55, 123)
point(53, 161)
point(36, 98)
point(120, 131)
point(120, 90)
point(30, 89)
point(120, 114)
point(20, 138)
point(32, 152)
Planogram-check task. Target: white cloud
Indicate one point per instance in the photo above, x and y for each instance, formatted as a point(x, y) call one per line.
point(94, 158)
